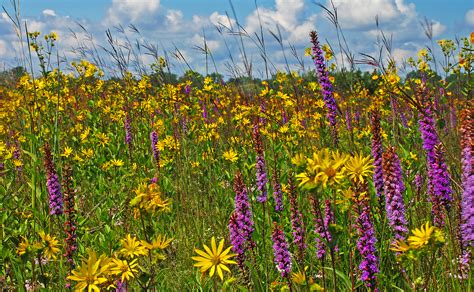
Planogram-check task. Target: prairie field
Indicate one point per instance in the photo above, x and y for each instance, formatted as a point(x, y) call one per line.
point(332, 178)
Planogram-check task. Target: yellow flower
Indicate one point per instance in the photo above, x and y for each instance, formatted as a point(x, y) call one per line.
point(85, 134)
point(230, 155)
point(103, 139)
point(421, 236)
point(23, 247)
point(116, 162)
point(67, 152)
point(330, 167)
point(161, 242)
point(359, 167)
point(149, 198)
point(400, 246)
point(88, 152)
point(50, 245)
point(91, 273)
point(299, 277)
point(126, 270)
point(131, 247)
point(298, 160)
point(214, 258)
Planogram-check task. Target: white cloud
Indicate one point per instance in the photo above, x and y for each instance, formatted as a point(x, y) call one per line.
point(470, 17)
point(5, 17)
point(221, 20)
point(212, 45)
point(287, 14)
point(438, 28)
point(130, 10)
point(174, 18)
point(362, 13)
point(3, 47)
point(49, 12)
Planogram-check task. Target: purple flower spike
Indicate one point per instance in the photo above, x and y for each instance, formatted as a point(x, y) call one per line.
point(280, 251)
point(326, 86)
point(394, 205)
point(53, 185)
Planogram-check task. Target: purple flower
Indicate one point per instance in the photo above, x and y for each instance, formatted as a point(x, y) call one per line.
point(440, 179)
point(240, 222)
point(154, 148)
point(260, 166)
point(394, 187)
point(439, 186)
point(297, 223)
point(277, 192)
point(366, 245)
point(281, 254)
point(349, 120)
point(377, 151)
point(52, 184)
point(261, 179)
point(321, 226)
point(326, 86)
point(467, 199)
point(262, 121)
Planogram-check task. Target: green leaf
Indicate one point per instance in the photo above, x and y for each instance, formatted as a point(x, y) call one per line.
point(345, 279)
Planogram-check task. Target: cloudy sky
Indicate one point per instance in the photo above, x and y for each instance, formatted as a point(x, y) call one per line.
point(184, 24)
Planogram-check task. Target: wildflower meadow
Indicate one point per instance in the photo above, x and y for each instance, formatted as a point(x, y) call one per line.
point(335, 178)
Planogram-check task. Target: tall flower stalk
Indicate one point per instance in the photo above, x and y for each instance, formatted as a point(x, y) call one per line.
point(467, 199)
point(260, 166)
point(393, 183)
point(439, 187)
point(70, 211)
point(326, 86)
point(241, 224)
point(297, 224)
point(359, 169)
point(377, 151)
point(281, 253)
point(52, 183)
point(277, 192)
point(154, 147)
point(128, 132)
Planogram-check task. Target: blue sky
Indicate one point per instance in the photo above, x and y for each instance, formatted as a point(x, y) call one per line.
point(183, 23)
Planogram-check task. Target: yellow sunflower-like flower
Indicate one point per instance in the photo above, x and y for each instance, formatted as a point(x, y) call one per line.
point(125, 270)
point(214, 258)
point(324, 168)
point(359, 167)
point(230, 155)
point(299, 277)
point(421, 236)
point(132, 247)
point(67, 152)
point(148, 198)
point(91, 273)
point(23, 246)
point(160, 242)
point(50, 245)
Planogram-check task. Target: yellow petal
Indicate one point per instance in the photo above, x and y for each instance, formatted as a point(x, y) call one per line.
point(213, 245)
point(221, 246)
point(208, 250)
point(201, 253)
point(219, 272)
point(225, 252)
point(224, 267)
point(213, 269)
